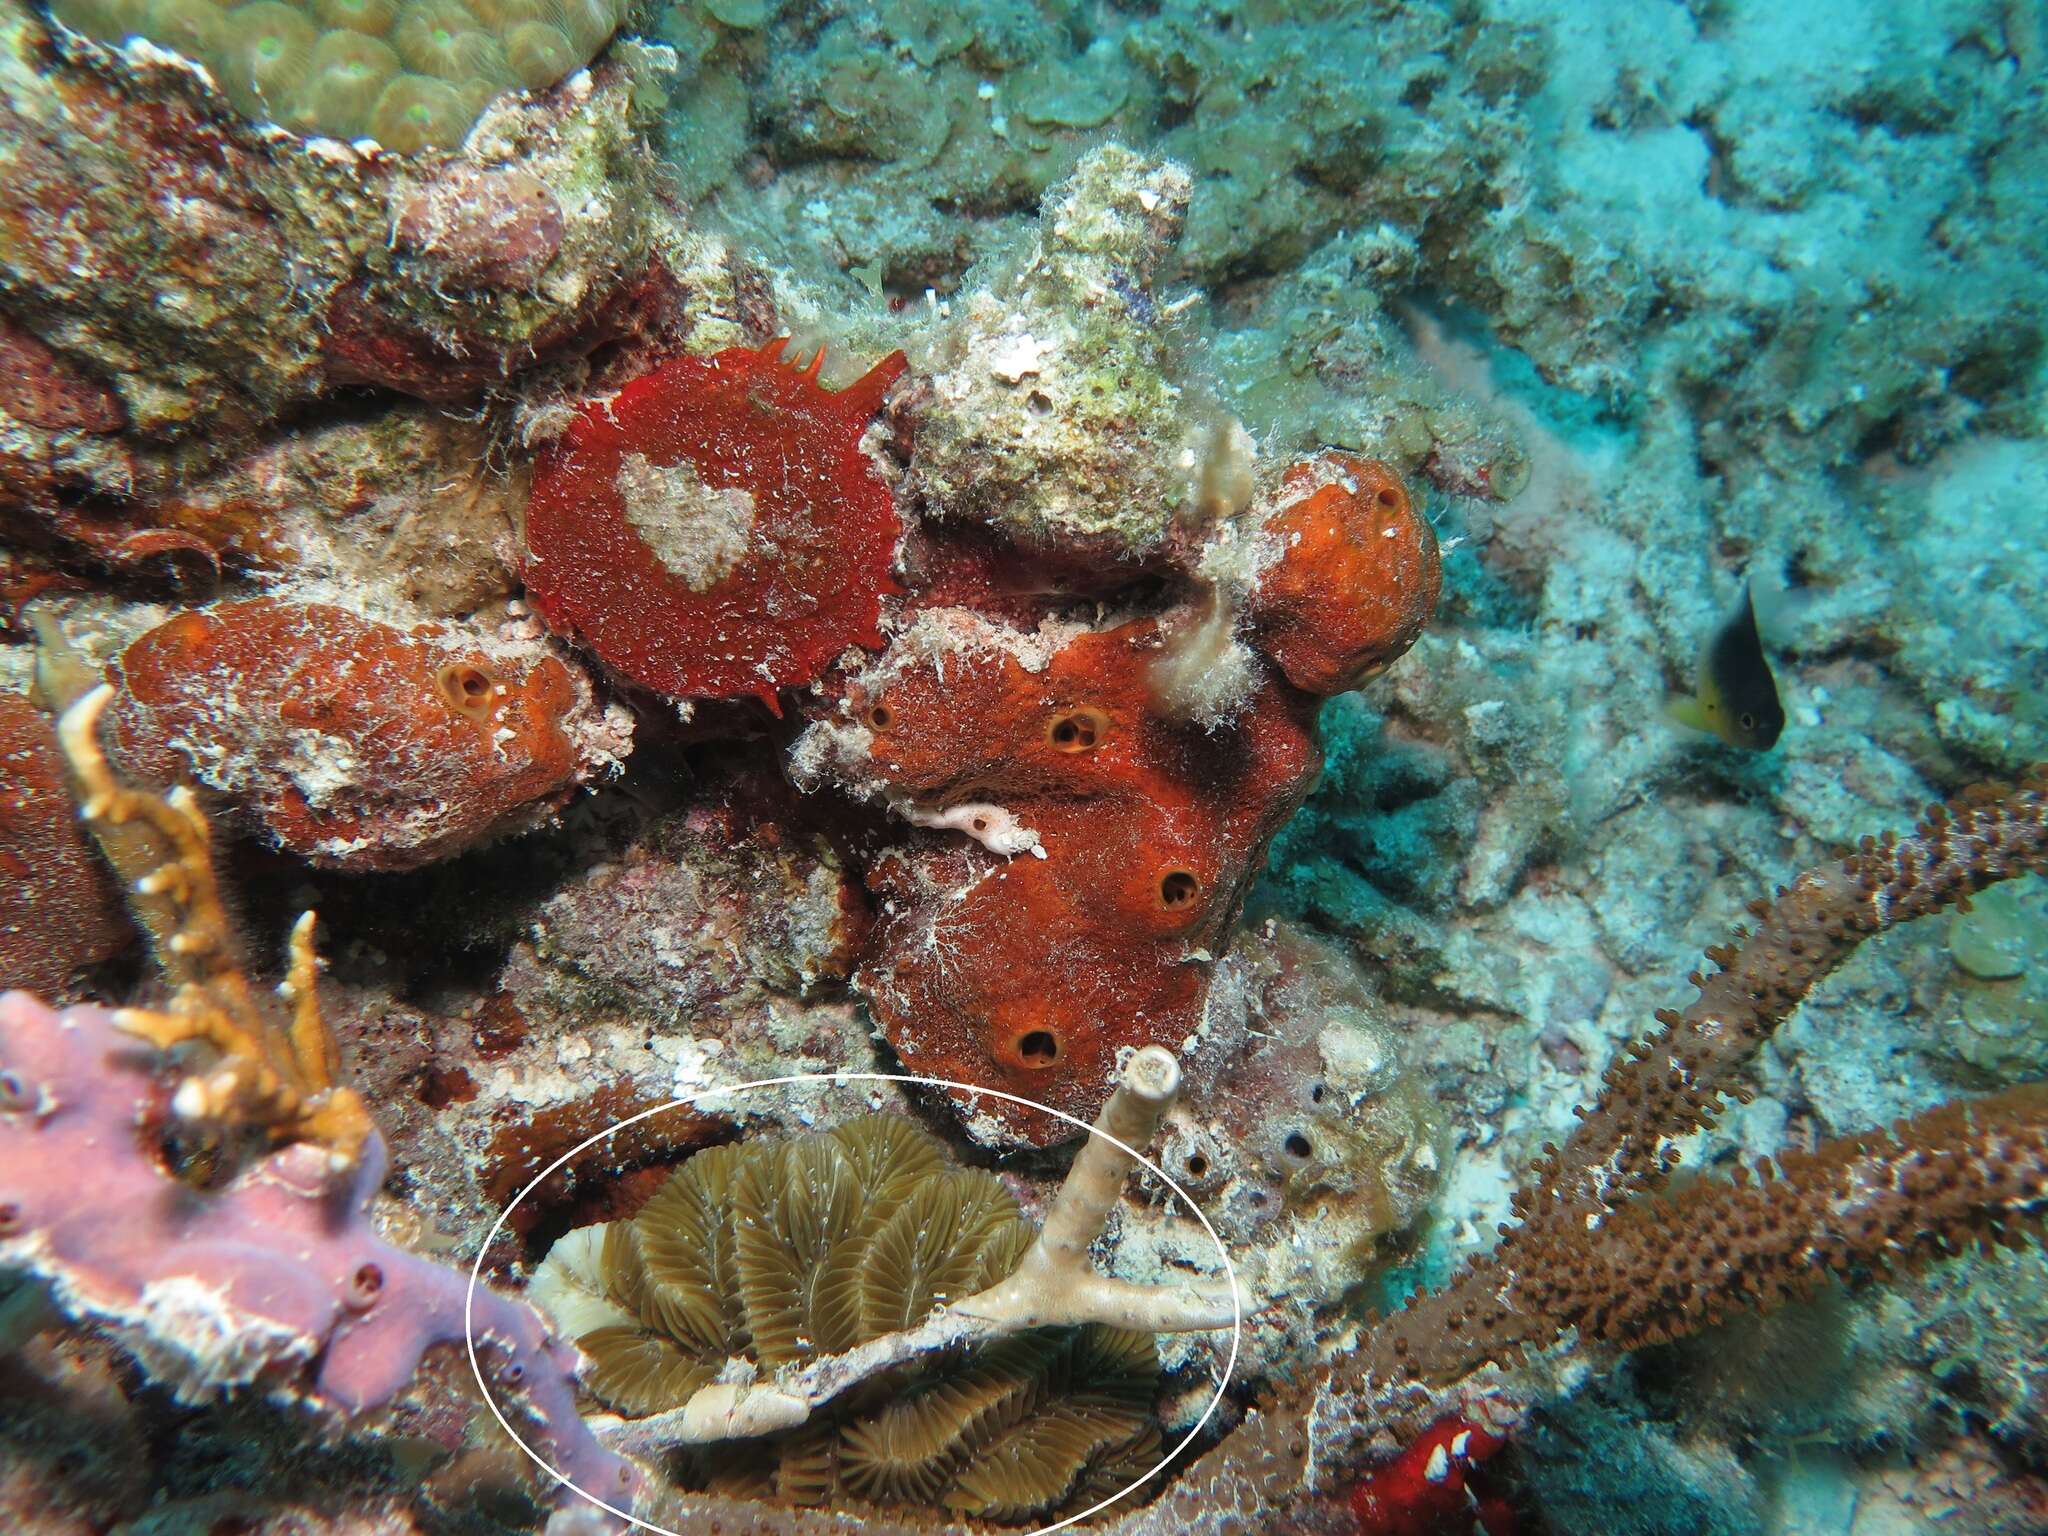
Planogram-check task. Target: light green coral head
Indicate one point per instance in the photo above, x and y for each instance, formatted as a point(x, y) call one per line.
point(300, 64)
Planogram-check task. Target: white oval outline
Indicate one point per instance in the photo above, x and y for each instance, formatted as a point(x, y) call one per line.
point(476, 1270)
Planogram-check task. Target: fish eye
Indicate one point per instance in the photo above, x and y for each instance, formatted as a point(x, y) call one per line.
point(1748, 721)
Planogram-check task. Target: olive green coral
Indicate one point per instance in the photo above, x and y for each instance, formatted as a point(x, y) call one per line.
point(781, 1253)
point(303, 64)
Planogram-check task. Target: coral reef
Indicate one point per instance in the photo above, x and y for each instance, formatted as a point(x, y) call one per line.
point(1603, 1251)
point(715, 529)
point(1143, 768)
point(1053, 415)
point(1238, 344)
point(1965, 1172)
point(352, 742)
point(1121, 771)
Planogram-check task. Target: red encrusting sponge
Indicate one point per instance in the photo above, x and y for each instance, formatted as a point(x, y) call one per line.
point(714, 530)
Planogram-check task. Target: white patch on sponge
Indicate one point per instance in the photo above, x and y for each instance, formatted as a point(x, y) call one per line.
point(989, 825)
point(698, 533)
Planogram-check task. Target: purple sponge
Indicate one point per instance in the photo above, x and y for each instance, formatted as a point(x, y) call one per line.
point(277, 1280)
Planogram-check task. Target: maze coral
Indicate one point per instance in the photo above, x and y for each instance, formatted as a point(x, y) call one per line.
point(714, 530)
point(351, 742)
point(786, 1252)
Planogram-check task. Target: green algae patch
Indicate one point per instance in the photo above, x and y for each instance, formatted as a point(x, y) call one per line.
point(2000, 936)
point(1080, 93)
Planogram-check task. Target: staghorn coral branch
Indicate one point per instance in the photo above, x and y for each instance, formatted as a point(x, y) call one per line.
point(280, 1079)
point(1053, 1284)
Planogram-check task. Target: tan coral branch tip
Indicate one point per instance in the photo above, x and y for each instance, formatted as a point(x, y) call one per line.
point(1055, 1282)
point(277, 1079)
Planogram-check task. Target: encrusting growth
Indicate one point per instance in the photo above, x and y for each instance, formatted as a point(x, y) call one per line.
point(278, 1077)
point(274, 1277)
point(275, 1280)
point(1051, 1284)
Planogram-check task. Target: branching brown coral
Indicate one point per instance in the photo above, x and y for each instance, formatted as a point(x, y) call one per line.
point(277, 1077)
point(1601, 1247)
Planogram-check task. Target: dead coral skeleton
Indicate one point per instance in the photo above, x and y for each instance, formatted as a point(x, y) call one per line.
point(1054, 1284)
point(272, 1076)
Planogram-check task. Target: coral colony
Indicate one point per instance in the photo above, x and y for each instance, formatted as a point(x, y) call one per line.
point(817, 625)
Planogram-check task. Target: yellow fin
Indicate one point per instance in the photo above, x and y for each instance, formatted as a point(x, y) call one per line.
point(1685, 710)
